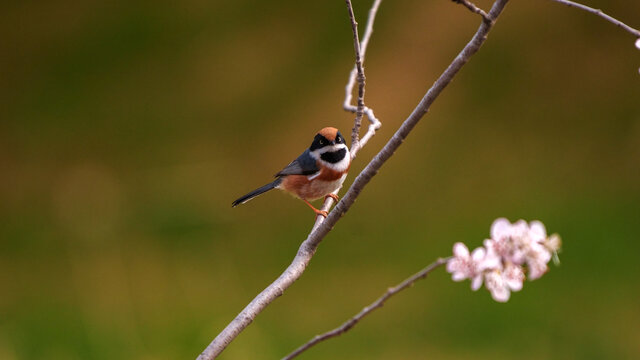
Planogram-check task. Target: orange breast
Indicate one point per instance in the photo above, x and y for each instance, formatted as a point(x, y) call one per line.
point(326, 182)
point(292, 183)
point(327, 174)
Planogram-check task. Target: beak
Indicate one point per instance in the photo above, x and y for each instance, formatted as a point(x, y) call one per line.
point(332, 142)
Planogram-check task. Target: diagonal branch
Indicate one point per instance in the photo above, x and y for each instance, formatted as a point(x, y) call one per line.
point(321, 228)
point(599, 12)
point(349, 324)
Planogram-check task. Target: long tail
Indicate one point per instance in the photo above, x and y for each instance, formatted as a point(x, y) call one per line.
point(256, 192)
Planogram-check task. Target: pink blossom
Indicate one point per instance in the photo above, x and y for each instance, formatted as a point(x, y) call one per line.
point(513, 276)
point(496, 285)
point(492, 259)
point(502, 282)
point(506, 239)
point(500, 263)
point(464, 266)
point(537, 258)
point(537, 231)
point(520, 243)
point(500, 229)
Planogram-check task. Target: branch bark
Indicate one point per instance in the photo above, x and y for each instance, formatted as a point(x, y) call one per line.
point(355, 133)
point(599, 13)
point(358, 73)
point(349, 324)
point(321, 228)
point(473, 8)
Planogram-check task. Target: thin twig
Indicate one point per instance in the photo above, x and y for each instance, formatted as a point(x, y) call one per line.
point(321, 228)
point(473, 8)
point(599, 12)
point(361, 78)
point(375, 124)
point(349, 324)
point(360, 49)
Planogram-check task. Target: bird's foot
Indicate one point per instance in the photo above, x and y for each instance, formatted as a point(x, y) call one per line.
point(321, 212)
point(333, 196)
point(318, 212)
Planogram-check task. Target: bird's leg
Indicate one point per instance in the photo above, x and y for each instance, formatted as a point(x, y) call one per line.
point(318, 212)
point(333, 196)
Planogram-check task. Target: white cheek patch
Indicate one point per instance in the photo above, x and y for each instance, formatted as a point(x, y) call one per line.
point(317, 152)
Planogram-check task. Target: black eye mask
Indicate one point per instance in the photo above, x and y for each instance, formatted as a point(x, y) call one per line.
point(334, 156)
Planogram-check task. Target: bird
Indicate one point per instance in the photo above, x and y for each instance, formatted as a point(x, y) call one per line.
point(318, 172)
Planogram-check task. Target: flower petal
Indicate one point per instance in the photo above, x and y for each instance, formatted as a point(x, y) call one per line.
point(500, 228)
point(496, 285)
point(513, 277)
point(478, 254)
point(476, 282)
point(460, 250)
point(536, 269)
point(519, 229)
point(537, 231)
point(452, 265)
point(458, 276)
point(501, 295)
point(491, 261)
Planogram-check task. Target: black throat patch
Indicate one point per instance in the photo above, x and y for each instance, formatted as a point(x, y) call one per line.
point(334, 156)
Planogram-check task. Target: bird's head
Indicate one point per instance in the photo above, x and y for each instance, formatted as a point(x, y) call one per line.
point(329, 147)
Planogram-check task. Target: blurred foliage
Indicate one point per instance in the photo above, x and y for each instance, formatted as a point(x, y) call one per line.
point(129, 127)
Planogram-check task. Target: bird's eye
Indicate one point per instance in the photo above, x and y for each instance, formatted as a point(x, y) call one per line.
point(321, 142)
point(338, 140)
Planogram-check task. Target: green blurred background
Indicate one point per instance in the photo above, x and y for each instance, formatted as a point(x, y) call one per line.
point(127, 128)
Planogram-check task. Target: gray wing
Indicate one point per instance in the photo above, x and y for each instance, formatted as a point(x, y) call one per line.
point(303, 165)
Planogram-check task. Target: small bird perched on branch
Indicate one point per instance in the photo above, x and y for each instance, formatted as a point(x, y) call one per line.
point(317, 173)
